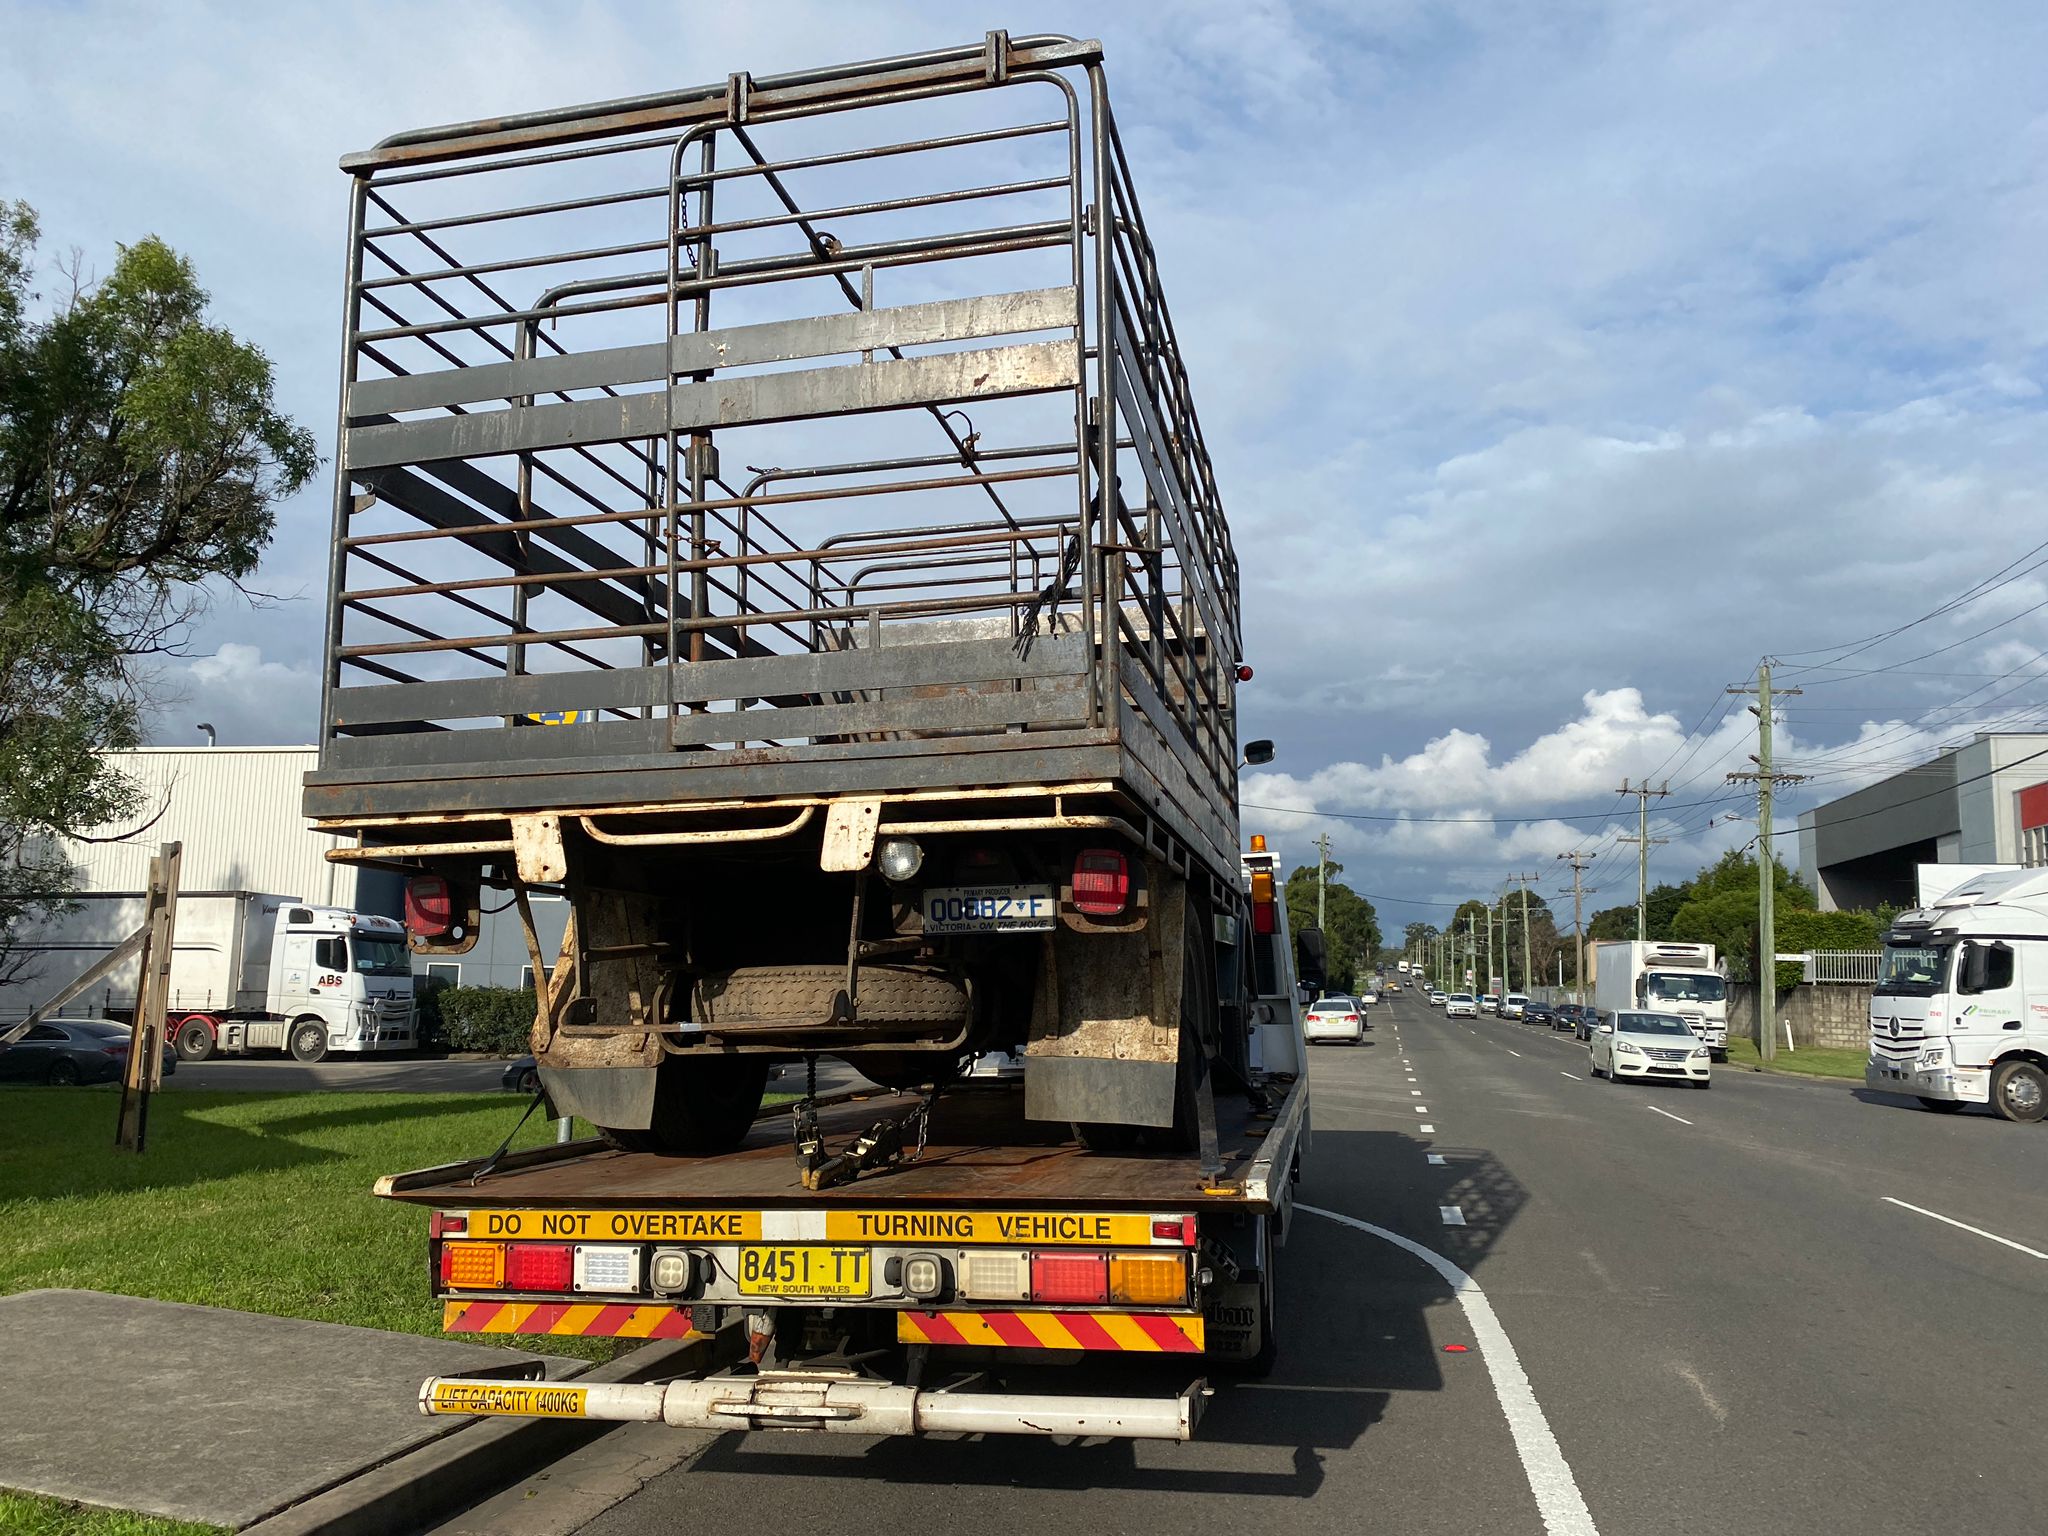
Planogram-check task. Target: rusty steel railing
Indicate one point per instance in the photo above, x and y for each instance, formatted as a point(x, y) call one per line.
point(914, 298)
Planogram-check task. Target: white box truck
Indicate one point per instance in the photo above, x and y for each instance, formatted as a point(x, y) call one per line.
point(1664, 976)
point(1959, 1014)
point(249, 972)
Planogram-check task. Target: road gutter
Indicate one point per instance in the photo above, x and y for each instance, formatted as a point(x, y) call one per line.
point(445, 1476)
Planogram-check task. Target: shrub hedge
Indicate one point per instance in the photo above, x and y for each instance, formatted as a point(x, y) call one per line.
point(496, 1020)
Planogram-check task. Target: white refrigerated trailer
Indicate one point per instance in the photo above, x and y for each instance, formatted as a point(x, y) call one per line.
point(249, 971)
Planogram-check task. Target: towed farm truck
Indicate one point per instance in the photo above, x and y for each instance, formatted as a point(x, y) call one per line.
point(773, 516)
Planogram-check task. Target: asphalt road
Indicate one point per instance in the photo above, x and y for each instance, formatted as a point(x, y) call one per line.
point(1720, 1320)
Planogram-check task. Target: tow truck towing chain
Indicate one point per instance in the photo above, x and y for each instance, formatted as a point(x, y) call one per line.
point(880, 1146)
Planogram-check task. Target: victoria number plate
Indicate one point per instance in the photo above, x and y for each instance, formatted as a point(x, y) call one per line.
point(804, 1271)
point(988, 909)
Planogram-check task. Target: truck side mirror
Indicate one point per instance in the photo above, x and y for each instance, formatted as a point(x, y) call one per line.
point(1258, 753)
point(1975, 969)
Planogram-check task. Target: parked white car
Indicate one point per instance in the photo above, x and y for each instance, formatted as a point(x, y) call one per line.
point(1658, 1046)
point(1334, 1018)
point(1461, 1005)
point(1512, 1006)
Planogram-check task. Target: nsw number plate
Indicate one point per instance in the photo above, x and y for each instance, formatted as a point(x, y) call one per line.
point(804, 1271)
point(987, 909)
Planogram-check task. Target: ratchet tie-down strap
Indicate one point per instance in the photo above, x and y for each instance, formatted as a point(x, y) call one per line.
point(887, 1143)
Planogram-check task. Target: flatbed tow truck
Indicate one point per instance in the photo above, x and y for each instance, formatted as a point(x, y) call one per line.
point(898, 1302)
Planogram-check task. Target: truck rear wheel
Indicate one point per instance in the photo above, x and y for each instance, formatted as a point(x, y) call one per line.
point(702, 1106)
point(194, 1040)
point(309, 1040)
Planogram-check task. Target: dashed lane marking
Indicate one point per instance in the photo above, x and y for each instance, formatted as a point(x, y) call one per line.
point(1422, 1109)
point(1653, 1109)
point(1558, 1500)
point(1450, 1215)
point(1572, 1075)
point(1436, 1160)
point(1428, 1128)
point(1979, 1231)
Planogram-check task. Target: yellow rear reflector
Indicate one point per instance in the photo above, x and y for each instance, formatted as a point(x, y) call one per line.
point(473, 1266)
point(1148, 1282)
point(1262, 886)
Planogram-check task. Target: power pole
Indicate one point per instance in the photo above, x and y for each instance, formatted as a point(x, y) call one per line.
point(1643, 842)
point(1322, 865)
point(1765, 779)
point(1489, 952)
point(1528, 970)
point(1580, 863)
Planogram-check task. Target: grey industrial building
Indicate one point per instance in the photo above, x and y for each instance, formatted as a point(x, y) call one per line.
point(237, 812)
point(1985, 802)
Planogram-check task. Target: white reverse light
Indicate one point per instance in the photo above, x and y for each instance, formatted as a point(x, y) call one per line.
point(607, 1268)
point(900, 859)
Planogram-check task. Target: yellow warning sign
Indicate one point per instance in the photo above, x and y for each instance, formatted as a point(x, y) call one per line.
point(523, 1400)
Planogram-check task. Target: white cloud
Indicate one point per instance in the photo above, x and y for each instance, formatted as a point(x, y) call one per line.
point(248, 700)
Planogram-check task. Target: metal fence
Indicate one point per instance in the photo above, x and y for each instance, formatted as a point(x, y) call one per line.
point(1845, 967)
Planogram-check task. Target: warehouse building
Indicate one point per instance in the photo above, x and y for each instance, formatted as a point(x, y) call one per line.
point(1982, 803)
point(237, 812)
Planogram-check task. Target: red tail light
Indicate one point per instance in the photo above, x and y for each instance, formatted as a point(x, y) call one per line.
point(539, 1267)
point(1069, 1277)
point(1102, 882)
point(429, 906)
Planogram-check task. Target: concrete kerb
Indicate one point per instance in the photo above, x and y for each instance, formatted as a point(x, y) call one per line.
point(445, 1476)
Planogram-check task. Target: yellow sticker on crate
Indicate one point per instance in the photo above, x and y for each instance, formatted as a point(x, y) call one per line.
point(536, 1400)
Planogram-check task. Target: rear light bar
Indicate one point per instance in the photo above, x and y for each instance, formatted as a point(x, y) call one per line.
point(1078, 1278)
point(1102, 882)
point(539, 1266)
point(1146, 1280)
point(473, 1266)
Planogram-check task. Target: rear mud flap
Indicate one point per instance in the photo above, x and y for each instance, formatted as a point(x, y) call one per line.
point(1105, 1019)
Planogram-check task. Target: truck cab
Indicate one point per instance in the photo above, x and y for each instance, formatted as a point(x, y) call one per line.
point(337, 981)
point(1959, 1014)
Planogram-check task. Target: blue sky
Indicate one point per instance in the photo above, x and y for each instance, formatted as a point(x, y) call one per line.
point(1558, 359)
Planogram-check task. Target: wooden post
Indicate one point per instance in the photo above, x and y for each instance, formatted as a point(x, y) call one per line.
point(144, 1073)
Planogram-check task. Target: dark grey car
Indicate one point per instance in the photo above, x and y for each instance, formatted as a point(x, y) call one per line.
point(63, 1052)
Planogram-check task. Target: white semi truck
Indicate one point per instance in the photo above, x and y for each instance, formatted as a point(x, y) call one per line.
point(1665, 976)
point(1959, 1014)
point(249, 972)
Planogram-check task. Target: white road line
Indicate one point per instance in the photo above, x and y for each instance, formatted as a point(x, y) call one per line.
point(1414, 1093)
point(1653, 1109)
point(1572, 1075)
point(1516, 1054)
point(1558, 1500)
point(1450, 1215)
point(1422, 1109)
point(1430, 1128)
point(1436, 1160)
point(1922, 1210)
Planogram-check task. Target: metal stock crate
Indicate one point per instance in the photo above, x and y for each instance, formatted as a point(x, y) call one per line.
point(815, 434)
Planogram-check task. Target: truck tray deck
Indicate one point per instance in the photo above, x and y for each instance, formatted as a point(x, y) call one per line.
point(981, 1151)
